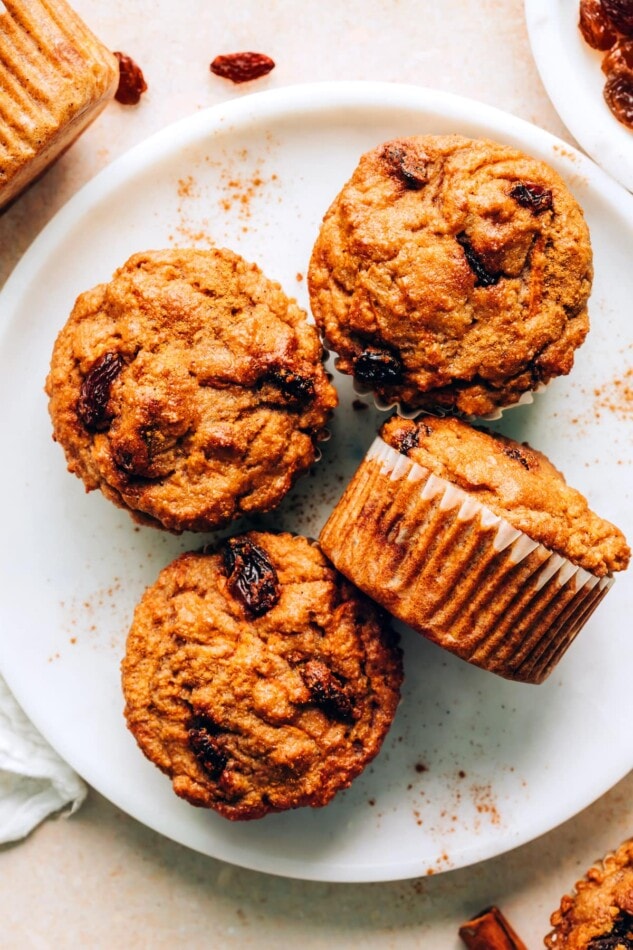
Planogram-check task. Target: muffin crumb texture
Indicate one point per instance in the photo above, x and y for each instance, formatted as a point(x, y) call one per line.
point(452, 272)
point(258, 678)
point(189, 389)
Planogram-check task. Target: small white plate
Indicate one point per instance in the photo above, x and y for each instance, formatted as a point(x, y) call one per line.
point(571, 73)
point(474, 765)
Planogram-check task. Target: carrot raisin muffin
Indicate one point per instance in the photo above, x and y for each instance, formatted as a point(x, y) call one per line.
point(189, 389)
point(599, 914)
point(55, 78)
point(476, 541)
point(258, 678)
point(452, 272)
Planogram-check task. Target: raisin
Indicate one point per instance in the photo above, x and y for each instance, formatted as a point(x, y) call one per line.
point(618, 93)
point(536, 198)
point(295, 389)
point(252, 578)
point(378, 367)
point(619, 60)
point(594, 25)
point(517, 455)
point(94, 394)
point(132, 83)
point(483, 276)
point(620, 15)
point(620, 937)
point(408, 440)
point(200, 733)
point(327, 691)
point(409, 168)
point(125, 460)
point(242, 67)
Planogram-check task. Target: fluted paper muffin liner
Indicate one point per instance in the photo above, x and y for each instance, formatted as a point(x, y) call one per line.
point(383, 405)
point(456, 572)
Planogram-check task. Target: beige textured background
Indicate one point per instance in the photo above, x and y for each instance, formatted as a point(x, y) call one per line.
point(101, 880)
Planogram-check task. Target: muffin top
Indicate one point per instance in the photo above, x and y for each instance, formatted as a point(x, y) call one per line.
point(258, 678)
point(189, 389)
point(517, 483)
point(452, 272)
point(599, 916)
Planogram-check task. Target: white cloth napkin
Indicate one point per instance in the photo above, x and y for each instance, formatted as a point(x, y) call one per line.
point(34, 781)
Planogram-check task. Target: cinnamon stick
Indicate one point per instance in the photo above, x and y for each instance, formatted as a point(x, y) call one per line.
point(489, 930)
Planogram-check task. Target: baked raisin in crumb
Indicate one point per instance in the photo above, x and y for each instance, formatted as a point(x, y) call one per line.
point(92, 408)
point(252, 578)
point(409, 167)
point(483, 276)
point(536, 198)
point(378, 367)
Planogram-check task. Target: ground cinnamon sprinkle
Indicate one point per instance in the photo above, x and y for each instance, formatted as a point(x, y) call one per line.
point(616, 396)
point(239, 192)
point(484, 801)
point(185, 186)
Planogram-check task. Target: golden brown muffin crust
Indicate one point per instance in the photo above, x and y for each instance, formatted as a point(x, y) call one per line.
point(515, 481)
point(599, 915)
point(452, 271)
point(189, 389)
point(257, 691)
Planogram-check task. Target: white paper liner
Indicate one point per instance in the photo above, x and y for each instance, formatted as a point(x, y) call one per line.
point(383, 406)
point(454, 570)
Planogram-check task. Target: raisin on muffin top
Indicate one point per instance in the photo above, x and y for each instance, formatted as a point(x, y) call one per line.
point(258, 678)
point(517, 483)
point(454, 272)
point(189, 389)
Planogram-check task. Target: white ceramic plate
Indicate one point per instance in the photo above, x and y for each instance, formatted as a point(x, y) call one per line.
point(474, 765)
point(574, 81)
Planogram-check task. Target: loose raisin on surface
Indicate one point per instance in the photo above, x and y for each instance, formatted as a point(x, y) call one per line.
point(536, 198)
point(594, 25)
point(407, 166)
point(618, 94)
point(242, 67)
point(252, 578)
point(327, 691)
point(200, 734)
point(132, 83)
point(620, 14)
point(376, 367)
point(94, 394)
point(295, 389)
point(483, 277)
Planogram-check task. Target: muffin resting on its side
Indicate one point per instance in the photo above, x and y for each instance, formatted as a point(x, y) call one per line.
point(258, 678)
point(55, 78)
point(189, 389)
point(452, 272)
point(475, 541)
point(599, 915)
